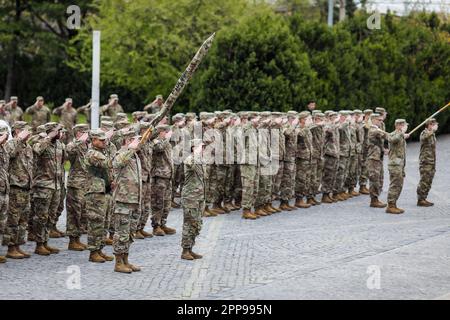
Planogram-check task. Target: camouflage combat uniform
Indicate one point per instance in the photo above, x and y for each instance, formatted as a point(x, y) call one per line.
point(375, 160)
point(162, 171)
point(193, 201)
point(350, 182)
point(128, 198)
point(99, 184)
point(288, 179)
point(4, 184)
point(427, 163)
point(396, 165)
point(318, 139)
point(303, 163)
point(279, 157)
point(20, 177)
point(46, 194)
point(344, 157)
point(145, 155)
point(331, 158)
point(67, 117)
point(265, 173)
point(39, 116)
point(249, 168)
point(364, 174)
point(16, 114)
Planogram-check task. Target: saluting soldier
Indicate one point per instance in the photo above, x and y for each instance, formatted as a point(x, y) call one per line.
point(40, 113)
point(156, 105)
point(15, 111)
point(4, 181)
point(396, 164)
point(20, 178)
point(427, 162)
point(192, 199)
point(4, 113)
point(344, 156)
point(112, 108)
point(318, 139)
point(67, 117)
point(364, 174)
point(331, 156)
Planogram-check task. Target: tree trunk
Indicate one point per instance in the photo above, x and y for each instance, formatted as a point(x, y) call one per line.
point(341, 10)
point(12, 53)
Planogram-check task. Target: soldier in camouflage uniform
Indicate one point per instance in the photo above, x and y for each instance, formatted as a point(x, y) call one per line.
point(277, 124)
point(20, 178)
point(351, 181)
point(49, 154)
point(179, 135)
point(15, 111)
point(4, 113)
point(364, 174)
point(145, 154)
point(76, 186)
point(249, 164)
point(233, 189)
point(112, 108)
point(110, 152)
point(4, 180)
point(67, 117)
point(318, 139)
point(156, 105)
point(375, 159)
point(40, 114)
point(288, 179)
point(303, 160)
point(193, 200)
point(86, 110)
point(383, 114)
point(98, 168)
point(359, 124)
point(331, 156)
point(344, 156)
point(128, 200)
point(427, 162)
point(162, 171)
point(396, 164)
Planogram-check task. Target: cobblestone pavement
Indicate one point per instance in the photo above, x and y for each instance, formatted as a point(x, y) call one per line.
point(327, 252)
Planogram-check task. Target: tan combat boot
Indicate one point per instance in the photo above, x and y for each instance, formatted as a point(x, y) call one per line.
point(109, 240)
point(13, 254)
point(25, 254)
point(353, 192)
point(300, 203)
point(424, 203)
point(210, 212)
point(195, 255)
point(391, 208)
point(129, 265)
point(95, 256)
point(41, 250)
point(238, 205)
point(399, 209)
point(326, 198)
point(3, 259)
point(274, 208)
point(218, 209)
point(260, 212)
point(120, 266)
point(186, 255)
point(51, 249)
point(363, 190)
point(375, 203)
point(74, 245)
point(226, 210)
point(146, 234)
point(85, 246)
point(104, 256)
point(53, 234)
point(31, 237)
point(335, 197)
point(284, 205)
point(247, 214)
point(267, 208)
point(311, 202)
point(228, 207)
point(157, 231)
point(138, 235)
point(168, 230)
point(346, 195)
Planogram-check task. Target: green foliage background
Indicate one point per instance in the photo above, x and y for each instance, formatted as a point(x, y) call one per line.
point(262, 58)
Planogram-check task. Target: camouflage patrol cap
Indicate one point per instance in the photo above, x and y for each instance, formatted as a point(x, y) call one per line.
point(80, 128)
point(380, 110)
point(122, 117)
point(327, 113)
point(316, 111)
point(431, 120)
point(177, 117)
point(344, 112)
point(2, 101)
point(243, 114)
point(292, 114)
point(190, 116)
point(127, 133)
point(401, 121)
point(144, 125)
point(13, 98)
point(3, 129)
point(40, 129)
point(163, 127)
point(332, 113)
point(203, 115)
point(304, 114)
point(121, 124)
point(20, 125)
point(368, 112)
point(138, 114)
point(105, 118)
point(252, 114)
point(265, 114)
point(114, 96)
point(159, 96)
point(69, 100)
point(357, 111)
point(277, 114)
point(97, 134)
point(318, 115)
point(107, 125)
point(39, 98)
point(375, 115)
point(50, 126)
